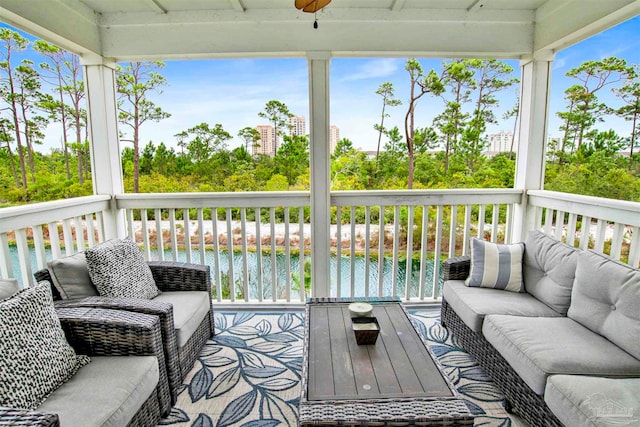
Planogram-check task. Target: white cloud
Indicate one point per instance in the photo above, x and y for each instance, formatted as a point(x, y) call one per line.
point(374, 69)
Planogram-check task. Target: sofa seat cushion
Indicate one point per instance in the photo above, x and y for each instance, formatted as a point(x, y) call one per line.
point(189, 310)
point(473, 304)
point(583, 401)
point(107, 392)
point(606, 299)
point(537, 347)
point(549, 268)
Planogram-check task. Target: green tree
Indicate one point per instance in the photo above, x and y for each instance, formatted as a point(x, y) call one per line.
point(135, 81)
point(343, 146)
point(292, 159)
point(419, 85)
point(629, 93)
point(278, 114)
point(387, 93)
point(202, 142)
point(250, 136)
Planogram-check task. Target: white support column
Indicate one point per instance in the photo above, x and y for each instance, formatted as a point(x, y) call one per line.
point(106, 166)
point(320, 183)
point(532, 136)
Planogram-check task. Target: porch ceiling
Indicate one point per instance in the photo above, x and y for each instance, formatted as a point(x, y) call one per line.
point(166, 29)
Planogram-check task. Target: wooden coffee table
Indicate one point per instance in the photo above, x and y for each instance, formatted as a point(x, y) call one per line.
point(395, 380)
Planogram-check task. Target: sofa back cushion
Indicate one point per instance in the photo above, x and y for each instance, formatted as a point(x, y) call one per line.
point(549, 269)
point(606, 299)
point(70, 276)
point(8, 287)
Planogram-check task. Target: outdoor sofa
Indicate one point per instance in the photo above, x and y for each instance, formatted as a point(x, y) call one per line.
point(183, 305)
point(122, 383)
point(567, 350)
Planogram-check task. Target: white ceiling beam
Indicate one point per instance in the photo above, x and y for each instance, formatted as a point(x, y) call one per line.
point(562, 23)
point(70, 24)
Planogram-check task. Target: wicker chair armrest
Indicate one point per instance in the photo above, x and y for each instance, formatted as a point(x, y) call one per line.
point(163, 310)
point(180, 276)
point(456, 268)
point(23, 417)
point(104, 332)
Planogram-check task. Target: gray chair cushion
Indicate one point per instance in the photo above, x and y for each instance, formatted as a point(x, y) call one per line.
point(606, 299)
point(537, 347)
point(189, 310)
point(118, 269)
point(70, 276)
point(35, 357)
point(549, 270)
point(583, 401)
point(107, 392)
point(496, 266)
point(8, 287)
point(473, 304)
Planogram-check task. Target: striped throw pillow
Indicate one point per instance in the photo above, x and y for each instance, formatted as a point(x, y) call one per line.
point(496, 266)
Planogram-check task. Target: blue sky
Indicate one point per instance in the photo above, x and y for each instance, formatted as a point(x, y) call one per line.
point(232, 92)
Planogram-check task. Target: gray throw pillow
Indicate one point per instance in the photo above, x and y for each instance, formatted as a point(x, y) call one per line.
point(70, 276)
point(35, 357)
point(8, 287)
point(496, 266)
point(118, 269)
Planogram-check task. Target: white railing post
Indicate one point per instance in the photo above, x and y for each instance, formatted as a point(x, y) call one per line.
point(532, 134)
point(320, 184)
point(106, 167)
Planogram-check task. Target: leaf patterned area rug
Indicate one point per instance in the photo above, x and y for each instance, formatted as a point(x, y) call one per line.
point(248, 374)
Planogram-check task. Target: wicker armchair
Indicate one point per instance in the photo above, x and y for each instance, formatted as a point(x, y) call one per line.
point(100, 332)
point(520, 398)
point(169, 277)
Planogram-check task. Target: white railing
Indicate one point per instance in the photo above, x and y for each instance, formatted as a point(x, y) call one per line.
point(607, 226)
point(49, 229)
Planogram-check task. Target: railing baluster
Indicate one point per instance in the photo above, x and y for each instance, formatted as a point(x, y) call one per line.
point(381, 236)
point(548, 221)
point(24, 259)
point(423, 251)
point(100, 221)
point(339, 251)
point(495, 221)
point(287, 254)
point(216, 253)
point(201, 232)
point(352, 257)
point(245, 261)
point(173, 233)
point(367, 248)
point(303, 290)
point(38, 246)
point(6, 269)
point(159, 234)
point(585, 232)
point(601, 231)
point(130, 231)
point(508, 225)
point(77, 225)
point(409, 267)
point(436, 255)
point(230, 275)
point(634, 249)
point(616, 241)
point(559, 225)
point(396, 243)
point(68, 237)
point(259, 256)
point(274, 267)
point(467, 229)
point(54, 240)
point(187, 233)
point(453, 230)
point(91, 230)
point(145, 234)
point(481, 213)
point(571, 229)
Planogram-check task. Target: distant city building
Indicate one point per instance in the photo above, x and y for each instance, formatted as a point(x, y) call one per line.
point(297, 126)
point(334, 137)
point(265, 144)
point(501, 141)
